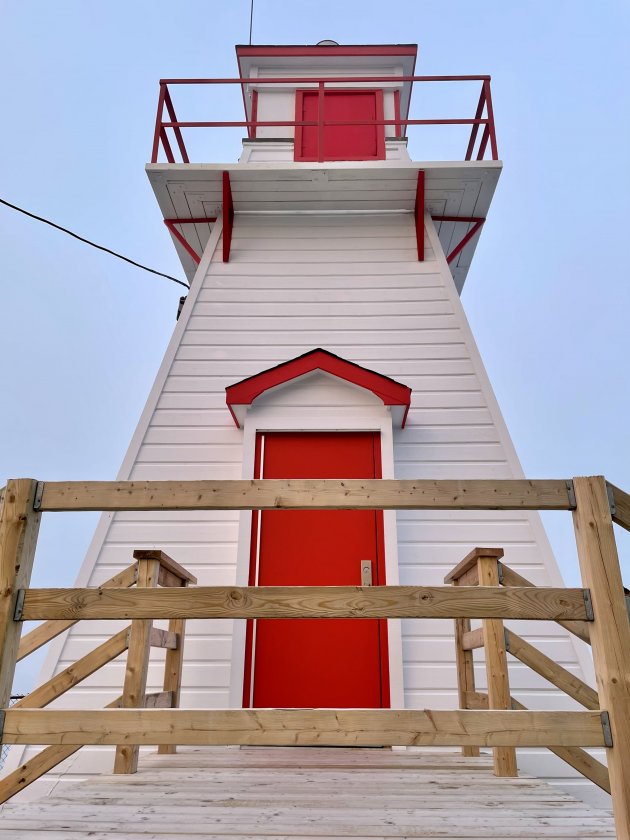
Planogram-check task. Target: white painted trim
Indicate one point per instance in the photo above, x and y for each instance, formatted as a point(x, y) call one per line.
point(124, 473)
point(368, 418)
point(582, 651)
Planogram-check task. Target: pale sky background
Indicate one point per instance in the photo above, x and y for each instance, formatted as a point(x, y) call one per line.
point(548, 295)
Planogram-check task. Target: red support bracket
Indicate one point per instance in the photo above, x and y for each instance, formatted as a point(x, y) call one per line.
point(228, 216)
point(475, 221)
point(419, 215)
point(170, 224)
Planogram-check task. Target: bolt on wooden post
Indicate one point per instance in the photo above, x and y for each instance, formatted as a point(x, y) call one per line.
point(504, 758)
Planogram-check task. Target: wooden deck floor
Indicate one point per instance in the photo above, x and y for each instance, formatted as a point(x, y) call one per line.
point(284, 793)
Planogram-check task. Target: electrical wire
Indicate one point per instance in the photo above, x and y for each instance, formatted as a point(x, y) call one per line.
point(251, 21)
point(93, 244)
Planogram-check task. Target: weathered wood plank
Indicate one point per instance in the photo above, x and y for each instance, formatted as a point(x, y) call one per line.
point(610, 632)
point(51, 629)
point(497, 678)
point(299, 494)
point(75, 673)
point(307, 602)
point(19, 526)
point(511, 578)
point(465, 666)
point(621, 514)
point(470, 562)
point(302, 727)
point(158, 700)
point(473, 639)
point(167, 563)
point(550, 670)
point(137, 666)
point(163, 639)
point(173, 669)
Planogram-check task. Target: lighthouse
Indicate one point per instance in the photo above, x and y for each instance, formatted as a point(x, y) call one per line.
point(323, 336)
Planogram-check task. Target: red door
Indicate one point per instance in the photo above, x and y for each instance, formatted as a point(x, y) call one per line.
point(339, 663)
point(340, 142)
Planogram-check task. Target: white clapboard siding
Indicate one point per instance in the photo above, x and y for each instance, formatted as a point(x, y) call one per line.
point(352, 285)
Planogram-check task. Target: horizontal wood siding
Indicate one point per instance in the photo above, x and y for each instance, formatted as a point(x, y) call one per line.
point(352, 285)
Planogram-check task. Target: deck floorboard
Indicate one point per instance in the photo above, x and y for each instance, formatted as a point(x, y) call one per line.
point(226, 793)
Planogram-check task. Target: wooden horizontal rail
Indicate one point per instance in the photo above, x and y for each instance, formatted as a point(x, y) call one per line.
point(621, 514)
point(551, 671)
point(51, 629)
point(511, 578)
point(577, 758)
point(306, 602)
point(300, 494)
point(303, 727)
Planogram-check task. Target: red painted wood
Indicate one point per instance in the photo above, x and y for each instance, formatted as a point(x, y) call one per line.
point(318, 663)
point(386, 389)
point(340, 142)
point(228, 216)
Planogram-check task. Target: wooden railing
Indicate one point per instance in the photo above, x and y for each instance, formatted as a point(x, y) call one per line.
point(152, 568)
point(600, 606)
point(482, 567)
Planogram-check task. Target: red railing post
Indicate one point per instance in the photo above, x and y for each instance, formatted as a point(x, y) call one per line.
point(490, 113)
point(475, 128)
point(176, 129)
point(158, 124)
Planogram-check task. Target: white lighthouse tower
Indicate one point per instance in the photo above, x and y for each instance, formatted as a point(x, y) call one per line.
point(323, 337)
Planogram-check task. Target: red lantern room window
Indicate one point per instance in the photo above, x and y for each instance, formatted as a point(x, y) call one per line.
point(339, 142)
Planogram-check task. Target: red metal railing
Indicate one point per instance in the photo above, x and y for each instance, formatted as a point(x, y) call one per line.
point(476, 150)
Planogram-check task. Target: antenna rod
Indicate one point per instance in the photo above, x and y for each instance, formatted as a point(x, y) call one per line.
point(251, 21)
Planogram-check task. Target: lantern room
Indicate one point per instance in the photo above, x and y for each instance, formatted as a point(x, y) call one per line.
point(351, 111)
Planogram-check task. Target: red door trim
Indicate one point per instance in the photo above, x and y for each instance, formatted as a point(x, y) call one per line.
point(379, 581)
point(299, 111)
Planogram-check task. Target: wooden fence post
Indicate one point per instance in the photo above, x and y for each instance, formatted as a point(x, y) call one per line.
point(137, 666)
point(173, 663)
point(465, 670)
point(610, 632)
point(19, 526)
point(504, 758)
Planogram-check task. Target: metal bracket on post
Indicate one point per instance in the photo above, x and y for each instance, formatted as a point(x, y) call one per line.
point(2, 714)
point(19, 605)
point(571, 494)
point(500, 573)
point(608, 739)
point(506, 636)
point(611, 499)
point(588, 603)
point(39, 492)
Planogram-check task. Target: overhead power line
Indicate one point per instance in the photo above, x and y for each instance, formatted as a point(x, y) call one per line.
point(93, 244)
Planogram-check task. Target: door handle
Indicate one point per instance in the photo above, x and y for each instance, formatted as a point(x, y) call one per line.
point(366, 573)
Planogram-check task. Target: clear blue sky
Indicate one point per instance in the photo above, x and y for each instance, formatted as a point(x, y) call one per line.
point(548, 295)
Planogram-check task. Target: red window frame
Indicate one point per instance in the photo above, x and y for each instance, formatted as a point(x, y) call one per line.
point(299, 110)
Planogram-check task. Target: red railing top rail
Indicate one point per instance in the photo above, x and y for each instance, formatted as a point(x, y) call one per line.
point(160, 137)
point(255, 80)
